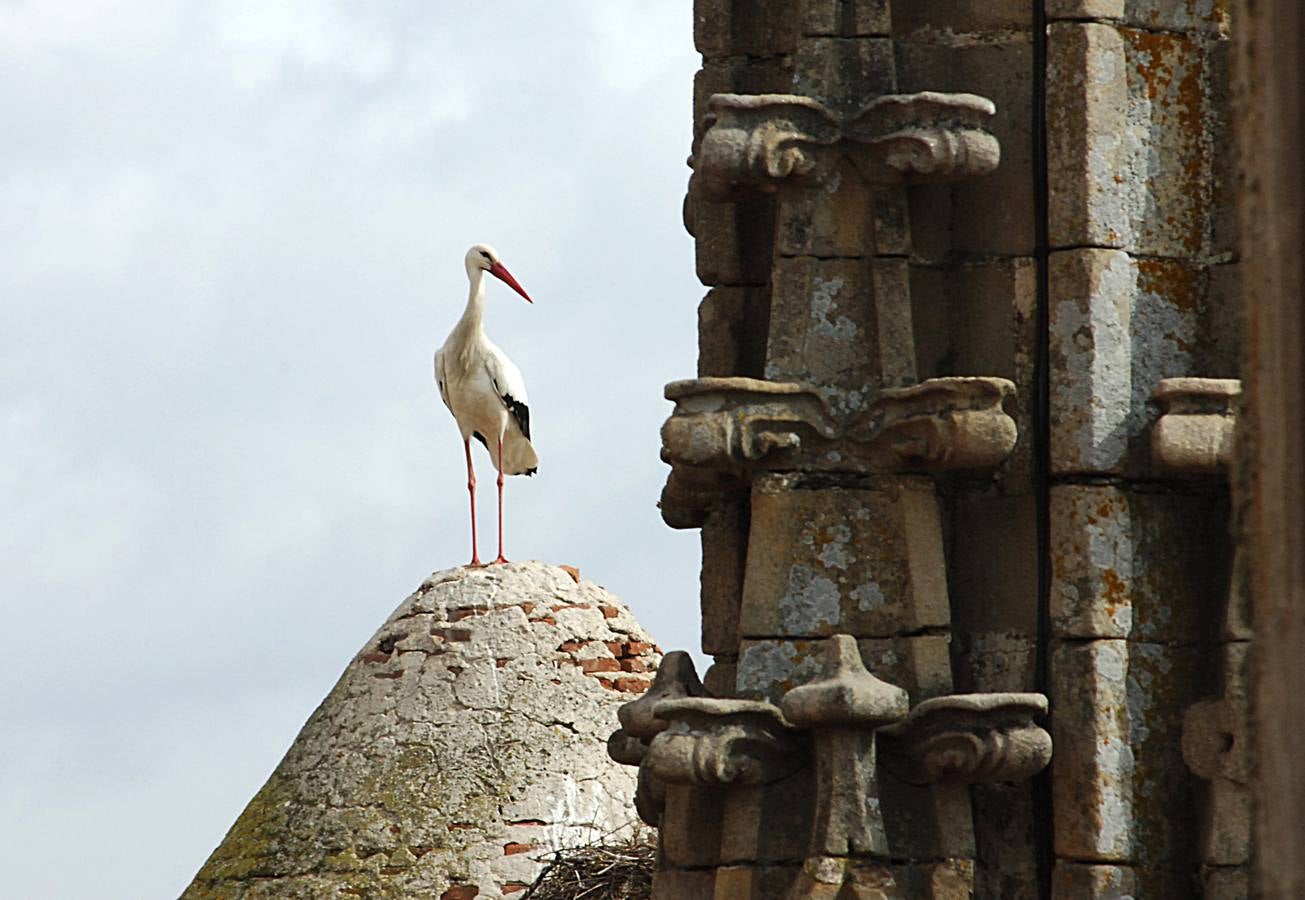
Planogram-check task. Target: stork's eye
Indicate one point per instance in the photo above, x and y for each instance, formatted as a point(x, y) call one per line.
point(484, 254)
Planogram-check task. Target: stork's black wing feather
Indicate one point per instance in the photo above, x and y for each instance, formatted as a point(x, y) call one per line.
point(520, 412)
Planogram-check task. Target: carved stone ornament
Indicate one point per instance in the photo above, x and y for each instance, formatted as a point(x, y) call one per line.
point(717, 742)
point(725, 429)
point(1194, 434)
point(759, 139)
point(969, 738)
point(843, 707)
point(676, 678)
point(1215, 741)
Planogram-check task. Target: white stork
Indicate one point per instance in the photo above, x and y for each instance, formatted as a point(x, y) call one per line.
point(484, 389)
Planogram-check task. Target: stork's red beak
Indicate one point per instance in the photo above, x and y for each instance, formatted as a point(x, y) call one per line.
point(499, 271)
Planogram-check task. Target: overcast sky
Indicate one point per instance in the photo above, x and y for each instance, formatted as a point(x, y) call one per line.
point(231, 237)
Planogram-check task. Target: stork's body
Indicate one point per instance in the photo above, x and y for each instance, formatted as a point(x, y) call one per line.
point(484, 390)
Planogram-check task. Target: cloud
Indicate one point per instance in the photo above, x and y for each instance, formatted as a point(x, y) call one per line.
point(230, 239)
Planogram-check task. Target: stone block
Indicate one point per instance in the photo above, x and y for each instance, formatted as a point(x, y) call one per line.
point(768, 822)
point(1092, 411)
point(961, 17)
point(1118, 326)
point(830, 217)
point(1151, 567)
point(684, 884)
point(994, 332)
point(1084, 9)
point(929, 206)
point(1087, 109)
point(931, 321)
point(840, 561)
point(724, 547)
point(843, 73)
point(753, 882)
point(733, 325)
point(993, 214)
point(721, 676)
point(752, 28)
point(830, 18)
point(1207, 16)
point(995, 574)
point(733, 240)
point(949, 879)
point(1092, 779)
point(1162, 682)
point(769, 668)
point(1168, 166)
point(842, 324)
point(690, 829)
point(929, 822)
point(1079, 881)
point(1226, 884)
point(1006, 825)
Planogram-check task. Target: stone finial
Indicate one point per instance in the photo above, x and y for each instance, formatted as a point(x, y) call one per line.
point(1194, 434)
point(970, 738)
point(846, 694)
point(843, 708)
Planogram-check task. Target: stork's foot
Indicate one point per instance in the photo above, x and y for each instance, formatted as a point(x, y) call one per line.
point(501, 559)
point(475, 563)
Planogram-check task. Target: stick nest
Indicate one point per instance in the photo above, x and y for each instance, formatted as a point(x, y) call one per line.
point(599, 872)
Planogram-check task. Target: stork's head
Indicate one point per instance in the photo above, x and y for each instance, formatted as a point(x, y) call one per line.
point(485, 257)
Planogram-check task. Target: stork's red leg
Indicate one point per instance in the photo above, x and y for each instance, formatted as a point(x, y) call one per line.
point(471, 489)
point(501, 557)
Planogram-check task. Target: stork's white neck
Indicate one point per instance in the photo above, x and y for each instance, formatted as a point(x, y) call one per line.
point(470, 323)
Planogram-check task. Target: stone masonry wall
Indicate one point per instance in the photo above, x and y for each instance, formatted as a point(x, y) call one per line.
point(1097, 269)
point(462, 745)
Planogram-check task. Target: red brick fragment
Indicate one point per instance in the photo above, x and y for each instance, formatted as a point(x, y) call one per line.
point(630, 685)
point(603, 664)
point(610, 612)
point(375, 657)
point(637, 648)
point(528, 606)
point(571, 646)
point(547, 619)
point(460, 892)
point(615, 647)
point(500, 663)
point(514, 848)
point(462, 826)
point(391, 675)
point(466, 612)
point(634, 665)
point(452, 634)
point(572, 571)
point(513, 887)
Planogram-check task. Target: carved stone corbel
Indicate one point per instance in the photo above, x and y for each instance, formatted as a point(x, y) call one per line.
point(724, 430)
point(925, 136)
point(1198, 417)
point(970, 738)
point(718, 742)
point(940, 424)
point(676, 678)
point(760, 140)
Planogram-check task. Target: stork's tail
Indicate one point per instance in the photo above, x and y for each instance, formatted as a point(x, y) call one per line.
point(518, 455)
